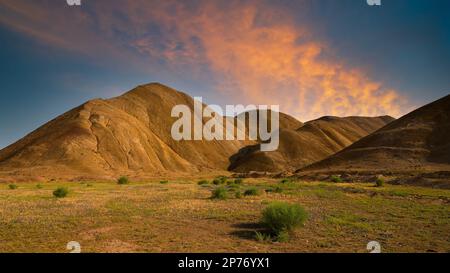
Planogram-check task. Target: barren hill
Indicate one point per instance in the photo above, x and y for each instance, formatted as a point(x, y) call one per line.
point(418, 142)
point(126, 135)
point(308, 143)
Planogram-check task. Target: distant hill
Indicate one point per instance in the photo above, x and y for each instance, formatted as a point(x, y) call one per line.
point(417, 142)
point(301, 145)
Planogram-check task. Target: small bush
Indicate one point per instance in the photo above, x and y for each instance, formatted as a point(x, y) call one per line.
point(61, 192)
point(216, 181)
point(39, 186)
point(164, 182)
point(203, 182)
point(239, 181)
point(230, 182)
point(123, 180)
point(283, 217)
point(379, 182)
point(285, 180)
point(12, 186)
point(89, 185)
point(336, 179)
point(251, 192)
point(220, 193)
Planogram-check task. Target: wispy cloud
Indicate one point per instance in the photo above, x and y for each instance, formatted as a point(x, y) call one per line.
point(256, 53)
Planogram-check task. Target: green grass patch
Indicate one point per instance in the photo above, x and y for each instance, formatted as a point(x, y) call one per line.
point(336, 179)
point(61, 192)
point(203, 182)
point(123, 180)
point(252, 192)
point(220, 193)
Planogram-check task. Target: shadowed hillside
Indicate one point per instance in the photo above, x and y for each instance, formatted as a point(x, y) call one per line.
point(300, 146)
point(417, 142)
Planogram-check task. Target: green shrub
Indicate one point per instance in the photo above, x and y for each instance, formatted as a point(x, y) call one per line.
point(61, 192)
point(216, 181)
point(285, 180)
point(336, 179)
point(164, 182)
point(203, 182)
point(220, 193)
point(230, 182)
point(39, 186)
point(89, 185)
point(123, 180)
point(251, 192)
point(379, 182)
point(283, 217)
point(12, 186)
point(221, 179)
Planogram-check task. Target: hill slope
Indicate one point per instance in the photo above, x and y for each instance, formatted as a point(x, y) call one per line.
point(419, 141)
point(313, 141)
point(126, 135)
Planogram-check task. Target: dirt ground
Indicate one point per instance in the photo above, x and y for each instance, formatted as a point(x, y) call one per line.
point(180, 216)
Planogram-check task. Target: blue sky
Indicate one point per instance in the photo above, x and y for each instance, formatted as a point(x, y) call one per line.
point(313, 58)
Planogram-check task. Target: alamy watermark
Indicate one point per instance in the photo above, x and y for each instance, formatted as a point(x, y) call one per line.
point(218, 127)
point(374, 2)
point(73, 2)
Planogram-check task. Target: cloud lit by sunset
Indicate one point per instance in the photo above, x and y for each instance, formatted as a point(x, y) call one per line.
point(251, 52)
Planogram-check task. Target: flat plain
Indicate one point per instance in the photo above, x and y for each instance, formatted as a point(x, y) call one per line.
point(180, 216)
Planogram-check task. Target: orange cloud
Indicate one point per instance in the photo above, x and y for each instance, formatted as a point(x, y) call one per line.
point(257, 54)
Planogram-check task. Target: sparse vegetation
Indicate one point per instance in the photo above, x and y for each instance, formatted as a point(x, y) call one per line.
point(282, 218)
point(123, 180)
point(238, 195)
point(203, 182)
point(336, 179)
point(216, 182)
point(133, 213)
point(262, 237)
point(283, 237)
point(220, 193)
point(234, 186)
point(39, 186)
point(12, 186)
point(379, 182)
point(164, 182)
point(239, 181)
point(220, 180)
point(285, 180)
point(251, 191)
point(275, 189)
point(61, 192)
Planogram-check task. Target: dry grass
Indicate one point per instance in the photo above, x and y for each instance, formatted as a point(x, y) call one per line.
point(180, 217)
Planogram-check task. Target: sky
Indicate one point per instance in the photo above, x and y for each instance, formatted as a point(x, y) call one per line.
point(311, 57)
